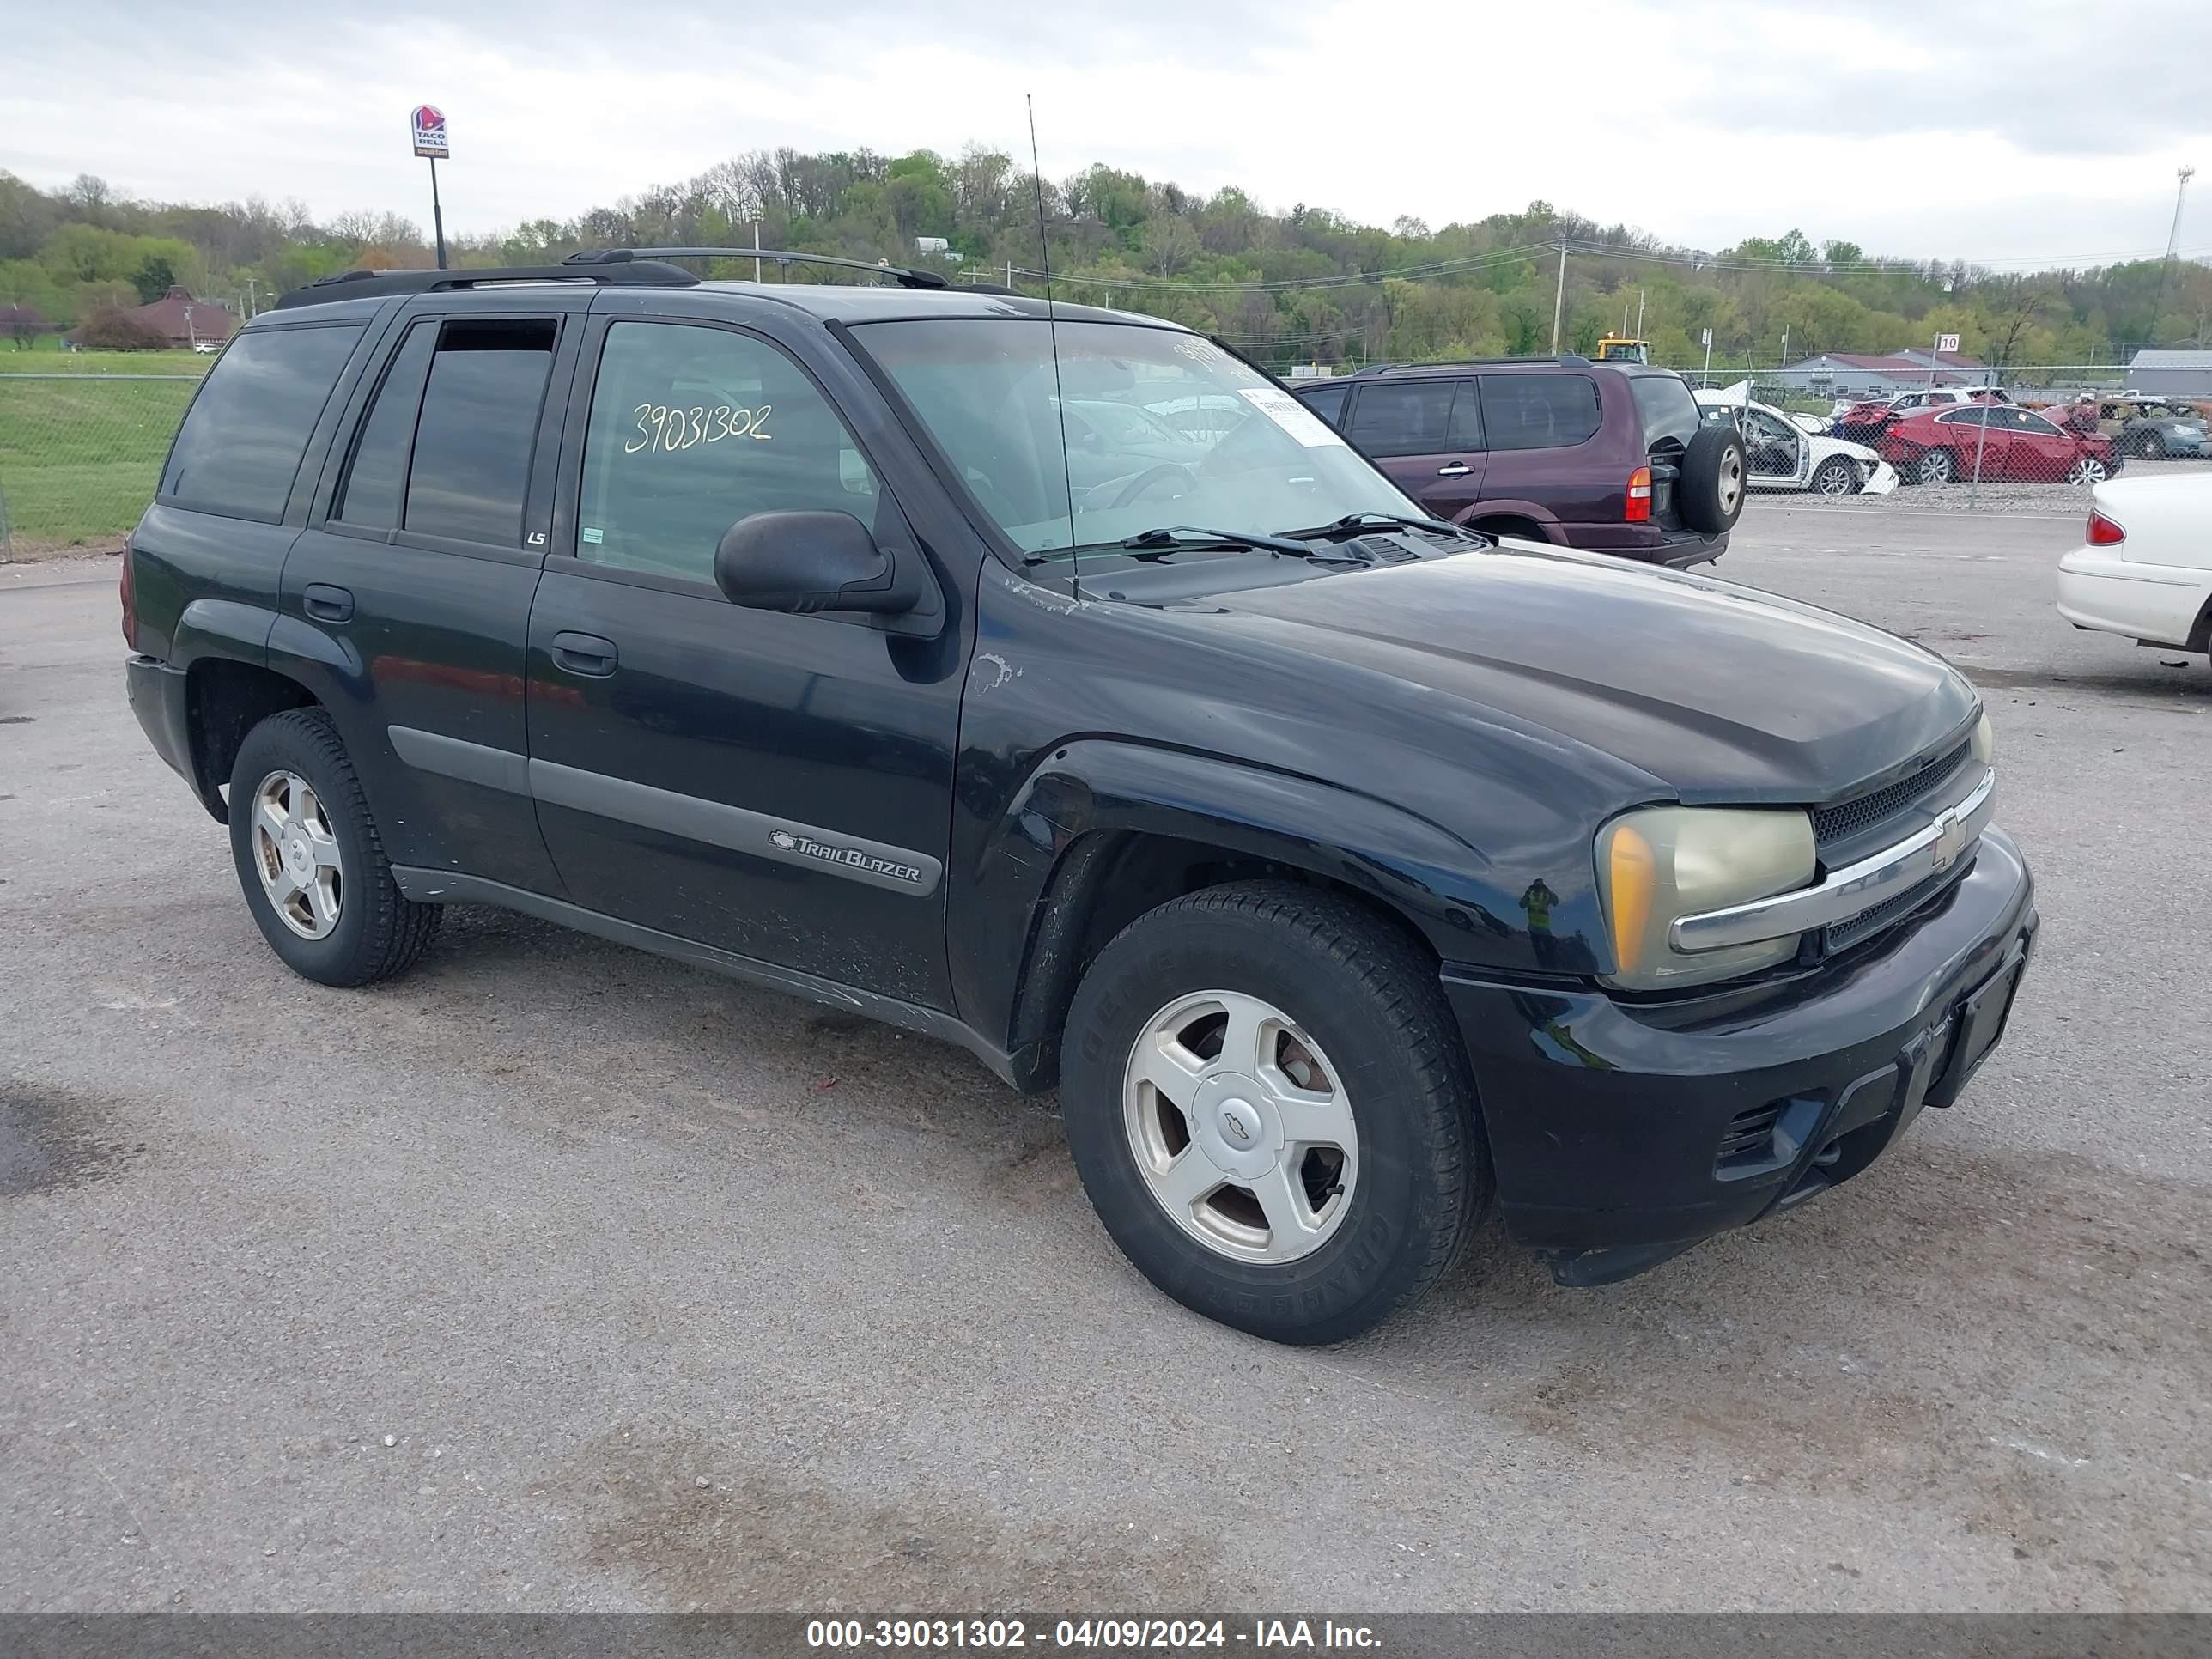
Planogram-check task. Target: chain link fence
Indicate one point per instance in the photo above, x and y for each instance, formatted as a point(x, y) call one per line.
point(80, 455)
point(2031, 438)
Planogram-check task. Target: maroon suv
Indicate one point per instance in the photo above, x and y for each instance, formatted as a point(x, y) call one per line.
point(1611, 457)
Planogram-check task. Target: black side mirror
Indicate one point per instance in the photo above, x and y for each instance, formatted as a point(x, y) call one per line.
point(806, 562)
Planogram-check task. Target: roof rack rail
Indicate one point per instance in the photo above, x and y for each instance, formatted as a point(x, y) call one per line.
point(1564, 359)
point(618, 256)
point(368, 284)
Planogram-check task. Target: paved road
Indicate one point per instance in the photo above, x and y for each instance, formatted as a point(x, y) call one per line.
point(557, 1276)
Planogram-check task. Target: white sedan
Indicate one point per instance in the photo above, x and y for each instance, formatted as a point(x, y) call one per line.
point(2144, 568)
point(1781, 454)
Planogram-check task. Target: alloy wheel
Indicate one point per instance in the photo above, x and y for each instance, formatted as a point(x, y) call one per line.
point(1241, 1127)
point(295, 852)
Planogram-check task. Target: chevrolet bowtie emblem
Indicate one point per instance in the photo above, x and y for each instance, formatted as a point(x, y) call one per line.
point(1950, 841)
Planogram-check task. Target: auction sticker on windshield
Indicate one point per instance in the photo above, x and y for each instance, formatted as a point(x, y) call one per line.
point(1293, 417)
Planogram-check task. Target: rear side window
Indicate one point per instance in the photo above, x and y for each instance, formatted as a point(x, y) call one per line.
point(478, 429)
point(1666, 407)
point(242, 442)
point(1538, 412)
point(376, 483)
point(1328, 403)
point(1411, 418)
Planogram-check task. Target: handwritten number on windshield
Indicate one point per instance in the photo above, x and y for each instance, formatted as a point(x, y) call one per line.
point(663, 429)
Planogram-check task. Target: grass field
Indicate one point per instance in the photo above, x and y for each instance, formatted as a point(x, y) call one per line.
point(78, 459)
point(45, 358)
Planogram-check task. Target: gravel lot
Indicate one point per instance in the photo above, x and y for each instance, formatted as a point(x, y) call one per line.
point(557, 1276)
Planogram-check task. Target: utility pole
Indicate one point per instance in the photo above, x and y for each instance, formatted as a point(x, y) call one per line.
point(1639, 314)
point(2173, 236)
point(2172, 245)
point(756, 250)
point(1010, 273)
point(1559, 296)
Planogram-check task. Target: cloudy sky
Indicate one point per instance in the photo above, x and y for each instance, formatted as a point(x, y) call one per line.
point(2002, 130)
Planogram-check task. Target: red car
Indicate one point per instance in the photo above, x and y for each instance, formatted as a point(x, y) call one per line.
point(1863, 422)
point(1995, 441)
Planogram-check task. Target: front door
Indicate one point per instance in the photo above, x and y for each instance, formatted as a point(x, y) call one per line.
point(2037, 450)
point(1427, 435)
point(1775, 450)
point(406, 600)
point(773, 784)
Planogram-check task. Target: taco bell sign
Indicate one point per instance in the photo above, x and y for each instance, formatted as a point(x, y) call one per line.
point(429, 125)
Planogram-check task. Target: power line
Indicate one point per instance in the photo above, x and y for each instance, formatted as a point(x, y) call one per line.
point(1445, 267)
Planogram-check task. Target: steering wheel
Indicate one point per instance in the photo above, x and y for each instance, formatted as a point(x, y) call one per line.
point(1140, 486)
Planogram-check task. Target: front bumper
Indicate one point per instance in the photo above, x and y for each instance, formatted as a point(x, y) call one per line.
point(1606, 1118)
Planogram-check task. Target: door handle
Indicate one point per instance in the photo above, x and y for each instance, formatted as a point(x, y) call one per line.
point(1455, 470)
point(586, 654)
point(327, 604)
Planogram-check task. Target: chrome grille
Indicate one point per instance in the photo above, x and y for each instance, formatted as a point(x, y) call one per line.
point(1853, 930)
point(1853, 818)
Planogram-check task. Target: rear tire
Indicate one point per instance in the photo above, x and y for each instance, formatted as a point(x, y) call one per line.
point(1358, 1060)
point(1936, 466)
point(310, 860)
point(2150, 447)
point(1709, 493)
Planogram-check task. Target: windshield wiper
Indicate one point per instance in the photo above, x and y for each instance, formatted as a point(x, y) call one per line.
point(1353, 523)
point(1193, 536)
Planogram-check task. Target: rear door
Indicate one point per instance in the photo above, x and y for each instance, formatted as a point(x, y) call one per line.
point(1980, 440)
point(1427, 435)
point(406, 600)
point(1534, 425)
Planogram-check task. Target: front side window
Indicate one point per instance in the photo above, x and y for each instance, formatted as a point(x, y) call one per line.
point(987, 390)
point(693, 428)
point(1328, 402)
point(242, 440)
point(1538, 412)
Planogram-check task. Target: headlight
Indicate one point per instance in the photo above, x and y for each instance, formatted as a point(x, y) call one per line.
point(1665, 862)
point(1986, 739)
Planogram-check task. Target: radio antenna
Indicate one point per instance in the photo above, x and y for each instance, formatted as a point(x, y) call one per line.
point(1052, 327)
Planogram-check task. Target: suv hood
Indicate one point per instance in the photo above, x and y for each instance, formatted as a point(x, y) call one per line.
point(1725, 693)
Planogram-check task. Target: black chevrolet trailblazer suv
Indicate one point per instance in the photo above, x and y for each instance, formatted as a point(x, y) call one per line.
point(1060, 686)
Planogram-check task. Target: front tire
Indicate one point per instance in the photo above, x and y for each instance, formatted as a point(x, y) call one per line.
point(1268, 1103)
point(310, 860)
point(2150, 447)
point(1836, 477)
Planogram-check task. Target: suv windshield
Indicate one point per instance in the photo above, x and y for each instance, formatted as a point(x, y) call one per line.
point(1260, 462)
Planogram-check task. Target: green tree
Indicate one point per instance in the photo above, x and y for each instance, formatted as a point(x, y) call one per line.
point(155, 276)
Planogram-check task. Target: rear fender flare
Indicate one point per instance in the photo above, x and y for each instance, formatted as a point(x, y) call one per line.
point(1545, 521)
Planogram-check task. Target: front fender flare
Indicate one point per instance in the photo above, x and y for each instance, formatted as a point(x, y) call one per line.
point(1029, 875)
